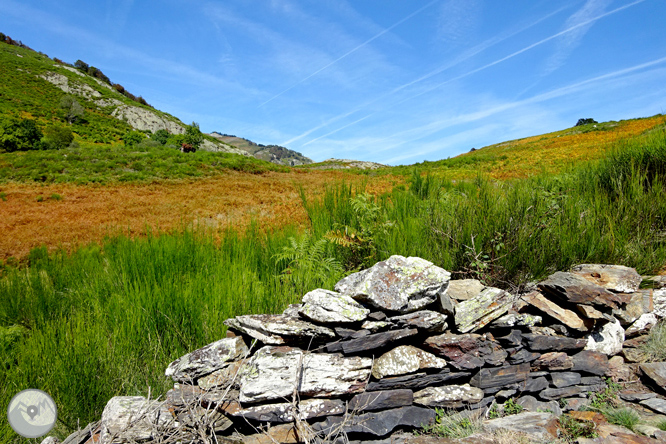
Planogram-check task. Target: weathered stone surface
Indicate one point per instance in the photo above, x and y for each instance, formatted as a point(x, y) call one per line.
point(656, 372)
point(375, 326)
point(618, 371)
point(347, 333)
point(565, 379)
point(50, 440)
point(656, 404)
point(589, 312)
point(464, 289)
point(578, 290)
point(382, 400)
point(378, 423)
point(516, 320)
point(82, 436)
point(284, 412)
point(551, 394)
point(327, 306)
point(532, 385)
point(553, 343)
point(281, 433)
point(567, 317)
point(500, 377)
point(513, 339)
point(522, 356)
point(227, 376)
point(291, 311)
point(477, 312)
point(635, 342)
point(531, 404)
point(416, 381)
point(635, 395)
point(538, 425)
point(554, 361)
point(370, 342)
point(405, 359)
point(206, 359)
point(468, 351)
point(659, 299)
point(451, 396)
point(397, 284)
point(428, 320)
point(640, 303)
point(617, 278)
point(278, 329)
point(136, 417)
point(183, 395)
point(209, 418)
point(642, 326)
point(589, 361)
point(608, 339)
point(275, 372)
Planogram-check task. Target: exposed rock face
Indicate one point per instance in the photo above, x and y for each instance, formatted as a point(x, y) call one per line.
point(451, 396)
point(398, 284)
point(656, 372)
point(405, 359)
point(330, 307)
point(477, 312)
point(607, 340)
point(615, 278)
point(576, 289)
point(463, 289)
point(73, 87)
point(134, 418)
point(278, 329)
point(207, 359)
point(279, 372)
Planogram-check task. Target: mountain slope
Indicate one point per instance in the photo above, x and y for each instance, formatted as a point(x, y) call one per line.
point(271, 153)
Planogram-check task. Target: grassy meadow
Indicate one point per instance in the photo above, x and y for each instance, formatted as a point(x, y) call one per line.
point(106, 319)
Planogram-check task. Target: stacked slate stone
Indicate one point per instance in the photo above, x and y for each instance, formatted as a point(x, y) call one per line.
point(390, 344)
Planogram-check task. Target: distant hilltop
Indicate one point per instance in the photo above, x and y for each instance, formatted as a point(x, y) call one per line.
point(271, 153)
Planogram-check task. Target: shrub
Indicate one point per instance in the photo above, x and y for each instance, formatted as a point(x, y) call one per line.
point(655, 347)
point(454, 424)
point(19, 135)
point(57, 137)
point(132, 138)
point(161, 136)
point(572, 429)
point(582, 122)
point(72, 108)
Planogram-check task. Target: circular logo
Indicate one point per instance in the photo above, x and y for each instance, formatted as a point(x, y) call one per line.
point(32, 413)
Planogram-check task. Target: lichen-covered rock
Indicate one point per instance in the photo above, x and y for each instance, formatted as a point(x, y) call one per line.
point(370, 342)
point(576, 289)
point(617, 278)
point(608, 339)
point(278, 329)
point(428, 320)
point(277, 372)
point(327, 306)
point(477, 312)
point(227, 376)
point(133, 418)
point(516, 320)
point(405, 359)
point(207, 359)
point(656, 372)
point(397, 284)
point(590, 361)
point(659, 298)
point(451, 396)
point(286, 411)
point(642, 325)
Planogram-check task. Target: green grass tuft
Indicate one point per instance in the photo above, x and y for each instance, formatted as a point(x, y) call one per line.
point(655, 347)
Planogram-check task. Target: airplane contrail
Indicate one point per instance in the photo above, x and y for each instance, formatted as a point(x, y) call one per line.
point(376, 36)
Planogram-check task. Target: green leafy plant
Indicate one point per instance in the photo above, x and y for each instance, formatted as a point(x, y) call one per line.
point(572, 429)
point(40, 198)
point(57, 137)
point(56, 196)
point(511, 407)
point(605, 398)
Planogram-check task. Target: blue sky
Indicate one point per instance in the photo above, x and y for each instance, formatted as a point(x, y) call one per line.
point(391, 81)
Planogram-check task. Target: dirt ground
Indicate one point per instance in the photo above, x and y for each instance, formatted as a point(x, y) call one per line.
point(30, 214)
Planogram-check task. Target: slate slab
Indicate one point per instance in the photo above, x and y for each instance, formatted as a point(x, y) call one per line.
point(592, 362)
point(565, 379)
point(538, 425)
point(450, 396)
point(417, 380)
point(656, 372)
point(467, 351)
point(405, 359)
point(477, 312)
point(426, 320)
point(617, 278)
point(553, 343)
point(656, 404)
point(370, 342)
point(207, 359)
point(278, 329)
point(330, 307)
point(546, 306)
point(576, 289)
point(500, 377)
point(398, 284)
point(382, 400)
point(378, 423)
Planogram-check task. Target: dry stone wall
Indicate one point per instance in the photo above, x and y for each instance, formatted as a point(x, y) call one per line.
point(391, 344)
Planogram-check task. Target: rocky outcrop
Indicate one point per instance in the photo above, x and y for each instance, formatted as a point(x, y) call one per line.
point(380, 353)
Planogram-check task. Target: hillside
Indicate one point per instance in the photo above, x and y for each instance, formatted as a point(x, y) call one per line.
point(271, 153)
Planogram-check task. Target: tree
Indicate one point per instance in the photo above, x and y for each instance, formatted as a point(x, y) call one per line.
point(19, 135)
point(133, 138)
point(73, 109)
point(193, 135)
point(161, 136)
point(83, 66)
point(57, 137)
point(582, 122)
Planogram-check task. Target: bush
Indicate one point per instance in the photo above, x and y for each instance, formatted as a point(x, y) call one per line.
point(58, 137)
point(161, 136)
point(19, 135)
point(132, 138)
point(73, 109)
point(588, 121)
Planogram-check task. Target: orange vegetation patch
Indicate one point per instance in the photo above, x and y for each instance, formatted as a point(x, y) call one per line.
point(31, 216)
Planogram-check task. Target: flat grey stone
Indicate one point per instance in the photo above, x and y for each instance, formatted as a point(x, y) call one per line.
point(379, 423)
point(386, 399)
point(538, 425)
point(207, 359)
point(278, 329)
point(427, 320)
point(397, 284)
point(553, 343)
point(479, 311)
point(500, 377)
point(557, 393)
point(565, 379)
point(467, 351)
point(327, 306)
point(450, 396)
point(284, 412)
point(405, 359)
point(635, 396)
point(656, 372)
point(617, 278)
point(416, 381)
point(370, 342)
point(656, 404)
point(576, 289)
point(589, 361)
point(133, 418)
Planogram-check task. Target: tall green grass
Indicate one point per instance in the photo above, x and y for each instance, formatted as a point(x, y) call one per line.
point(106, 321)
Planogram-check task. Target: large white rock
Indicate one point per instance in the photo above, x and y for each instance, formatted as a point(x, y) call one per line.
point(331, 307)
point(279, 372)
point(397, 284)
point(405, 359)
point(452, 396)
point(659, 299)
point(133, 418)
point(607, 340)
point(207, 359)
